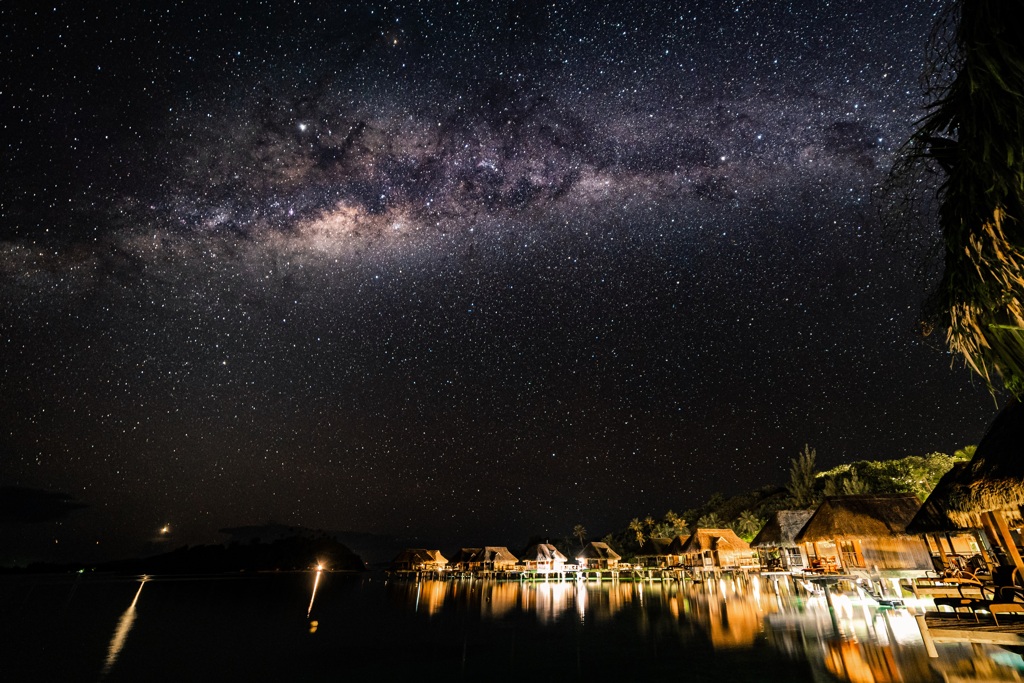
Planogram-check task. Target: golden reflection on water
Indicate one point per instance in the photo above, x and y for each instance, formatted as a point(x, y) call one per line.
point(316, 584)
point(124, 626)
point(855, 642)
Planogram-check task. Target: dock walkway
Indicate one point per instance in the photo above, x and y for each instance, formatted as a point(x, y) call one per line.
point(945, 627)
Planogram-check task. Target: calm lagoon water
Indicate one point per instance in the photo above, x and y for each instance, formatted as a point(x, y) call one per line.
point(275, 627)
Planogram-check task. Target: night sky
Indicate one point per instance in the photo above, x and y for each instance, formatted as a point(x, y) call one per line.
point(464, 272)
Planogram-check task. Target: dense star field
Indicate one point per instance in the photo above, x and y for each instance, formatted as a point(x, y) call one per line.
point(460, 271)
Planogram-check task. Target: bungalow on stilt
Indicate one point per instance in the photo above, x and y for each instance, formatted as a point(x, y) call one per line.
point(716, 549)
point(598, 555)
point(866, 535)
point(956, 550)
point(543, 558)
point(989, 492)
point(775, 544)
point(419, 559)
point(656, 552)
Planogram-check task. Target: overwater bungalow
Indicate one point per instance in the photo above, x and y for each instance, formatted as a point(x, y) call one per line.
point(715, 549)
point(657, 552)
point(955, 549)
point(419, 559)
point(489, 558)
point(544, 558)
point(598, 555)
point(865, 534)
point(988, 493)
point(776, 544)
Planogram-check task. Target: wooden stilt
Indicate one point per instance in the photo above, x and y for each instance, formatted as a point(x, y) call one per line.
point(1007, 540)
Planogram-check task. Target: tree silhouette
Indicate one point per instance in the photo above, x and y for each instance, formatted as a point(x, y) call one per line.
point(709, 521)
point(802, 478)
point(854, 485)
point(637, 527)
point(580, 532)
point(676, 524)
point(973, 137)
point(748, 524)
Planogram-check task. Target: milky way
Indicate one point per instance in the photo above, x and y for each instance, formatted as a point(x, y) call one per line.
point(462, 271)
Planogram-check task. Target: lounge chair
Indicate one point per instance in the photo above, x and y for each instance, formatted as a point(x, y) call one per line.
point(1007, 600)
point(973, 605)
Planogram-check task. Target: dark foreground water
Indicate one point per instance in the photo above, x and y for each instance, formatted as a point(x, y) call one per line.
point(275, 628)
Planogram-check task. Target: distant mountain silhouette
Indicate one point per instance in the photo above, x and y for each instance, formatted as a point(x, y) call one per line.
point(375, 549)
point(295, 552)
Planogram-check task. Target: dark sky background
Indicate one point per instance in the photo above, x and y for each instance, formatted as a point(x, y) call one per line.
point(459, 271)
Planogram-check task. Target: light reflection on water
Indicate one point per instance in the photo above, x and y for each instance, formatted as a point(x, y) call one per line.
point(124, 627)
point(299, 626)
point(856, 641)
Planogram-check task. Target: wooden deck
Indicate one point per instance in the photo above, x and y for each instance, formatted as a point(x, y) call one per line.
point(945, 628)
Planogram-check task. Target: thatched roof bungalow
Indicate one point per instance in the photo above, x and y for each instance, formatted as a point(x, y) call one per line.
point(656, 552)
point(953, 547)
point(776, 544)
point(710, 549)
point(865, 533)
point(993, 480)
point(933, 516)
point(543, 557)
point(988, 492)
point(419, 559)
point(488, 558)
point(598, 555)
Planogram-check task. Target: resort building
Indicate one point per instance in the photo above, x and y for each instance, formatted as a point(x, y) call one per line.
point(712, 549)
point(776, 546)
point(597, 555)
point(987, 493)
point(657, 552)
point(954, 548)
point(543, 557)
point(865, 534)
point(489, 558)
point(419, 559)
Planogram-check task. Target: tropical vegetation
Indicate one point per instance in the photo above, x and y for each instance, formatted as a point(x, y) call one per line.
point(972, 141)
point(746, 513)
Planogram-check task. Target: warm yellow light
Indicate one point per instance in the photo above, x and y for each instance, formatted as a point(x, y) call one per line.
point(309, 610)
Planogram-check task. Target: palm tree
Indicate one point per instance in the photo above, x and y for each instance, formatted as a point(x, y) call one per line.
point(974, 134)
point(965, 453)
point(748, 524)
point(580, 532)
point(676, 524)
point(709, 521)
point(637, 527)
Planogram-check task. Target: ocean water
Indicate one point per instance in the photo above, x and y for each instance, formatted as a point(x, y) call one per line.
point(333, 627)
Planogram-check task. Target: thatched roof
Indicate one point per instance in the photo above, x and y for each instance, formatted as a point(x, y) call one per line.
point(490, 553)
point(463, 555)
point(543, 552)
point(713, 539)
point(933, 517)
point(677, 545)
point(418, 556)
point(994, 478)
point(781, 529)
point(499, 553)
point(595, 550)
point(873, 515)
point(655, 547)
